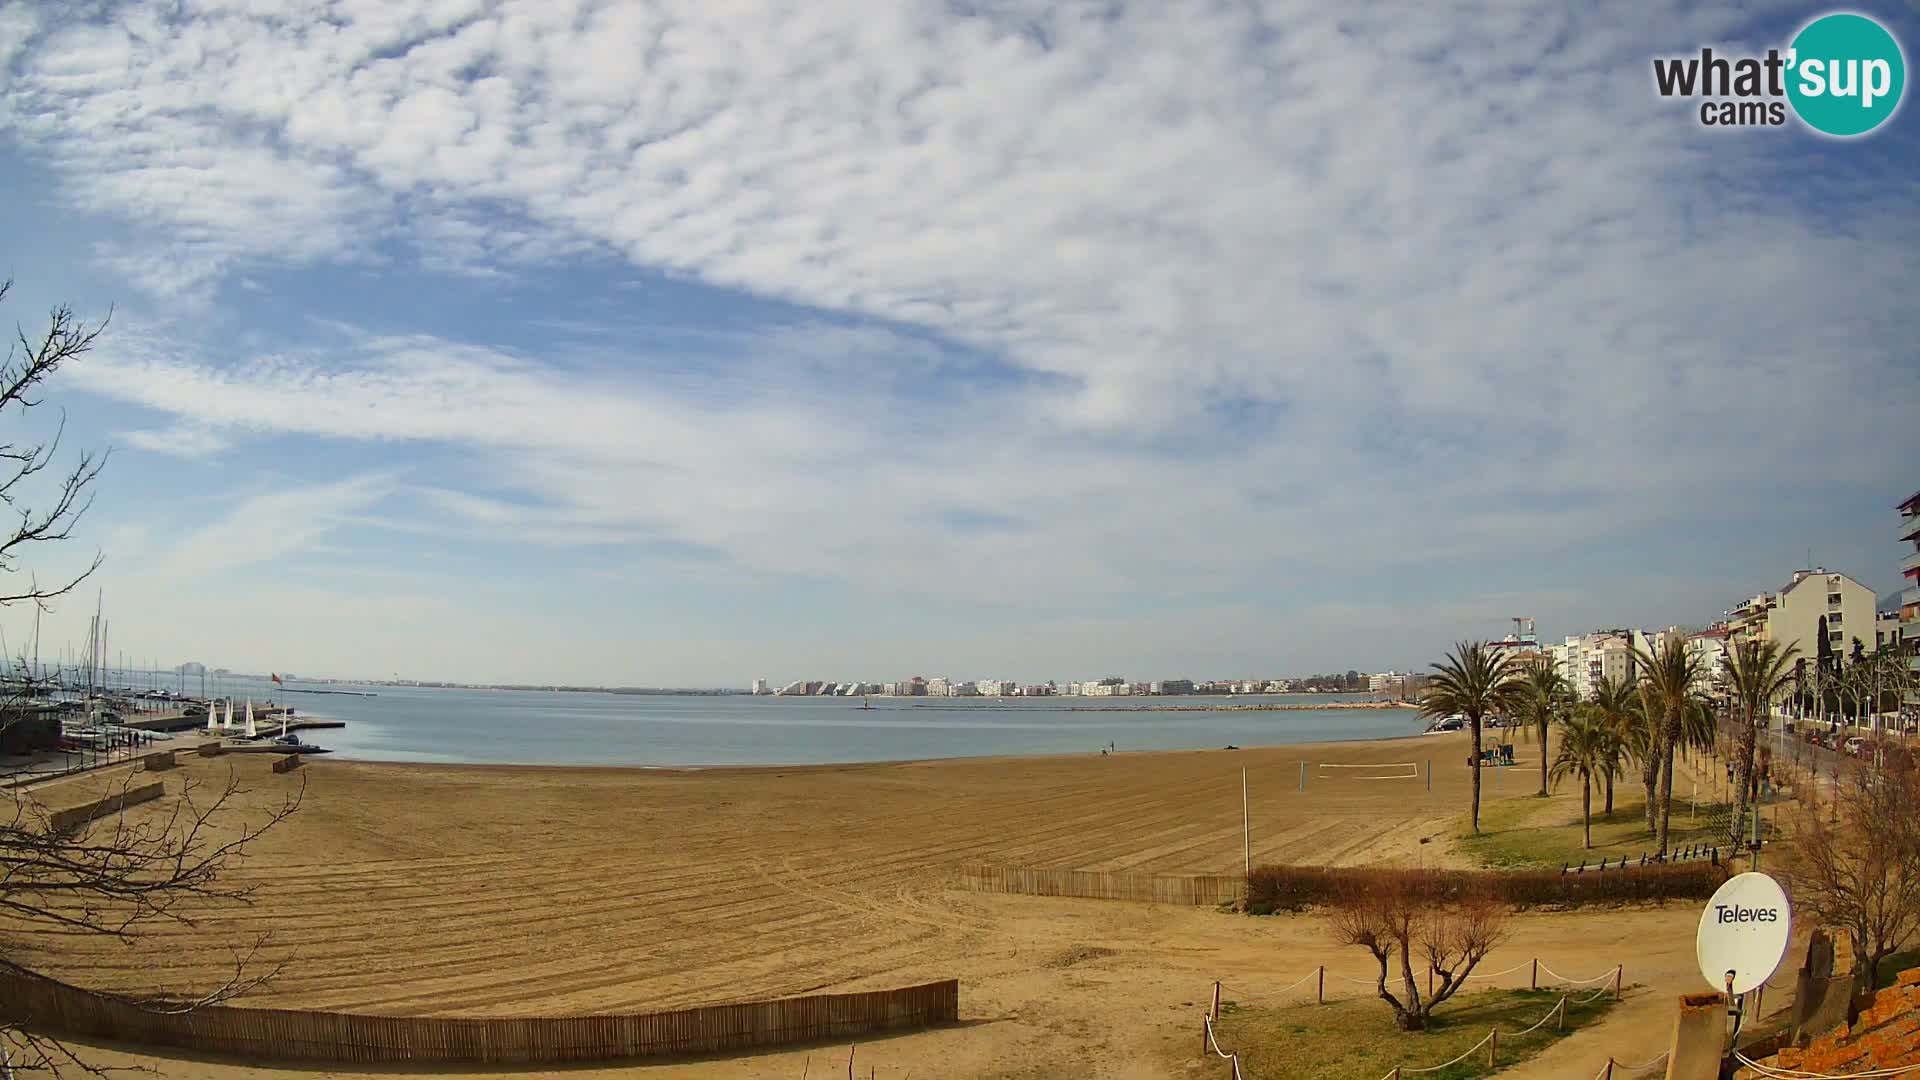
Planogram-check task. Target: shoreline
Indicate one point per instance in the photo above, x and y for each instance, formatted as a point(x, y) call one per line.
point(1262, 706)
point(851, 766)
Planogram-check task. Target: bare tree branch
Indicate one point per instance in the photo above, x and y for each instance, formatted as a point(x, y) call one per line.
point(109, 875)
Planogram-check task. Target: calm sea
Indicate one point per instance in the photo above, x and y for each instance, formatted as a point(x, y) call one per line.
point(547, 728)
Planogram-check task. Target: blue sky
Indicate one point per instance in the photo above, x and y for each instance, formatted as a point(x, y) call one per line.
point(682, 343)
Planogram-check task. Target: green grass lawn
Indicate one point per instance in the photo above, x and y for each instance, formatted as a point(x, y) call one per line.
point(1356, 1039)
point(1517, 833)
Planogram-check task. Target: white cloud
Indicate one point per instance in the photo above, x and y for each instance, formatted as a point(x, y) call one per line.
point(1360, 291)
point(180, 440)
point(260, 528)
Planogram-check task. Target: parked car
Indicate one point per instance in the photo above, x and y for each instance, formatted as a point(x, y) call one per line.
point(1856, 746)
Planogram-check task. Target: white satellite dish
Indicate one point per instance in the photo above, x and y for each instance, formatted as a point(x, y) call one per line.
point(1744, 932)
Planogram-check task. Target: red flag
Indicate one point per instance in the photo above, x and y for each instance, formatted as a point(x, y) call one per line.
point(276, 678)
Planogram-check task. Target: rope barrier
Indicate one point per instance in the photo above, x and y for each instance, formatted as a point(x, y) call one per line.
point(1214, 1045)
point(1577, 982)
point(1595, 996)
point(1557, 1010)
point(1301, 981)
point(1795, 1074)
point(1457, 1060)
point(1497, 974)
point(1644, 1065)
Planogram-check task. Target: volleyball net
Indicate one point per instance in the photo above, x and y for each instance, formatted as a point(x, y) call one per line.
point(1378, 770)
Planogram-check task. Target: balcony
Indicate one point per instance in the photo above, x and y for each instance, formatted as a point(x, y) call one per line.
point(1910, 564)
point(1910, 528)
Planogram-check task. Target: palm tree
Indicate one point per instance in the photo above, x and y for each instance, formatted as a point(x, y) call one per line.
point(1586, 751)
point(1544, 698)
point(1474, 682)
point(1758, 673)
point(1616, 703)
point(1667, 692)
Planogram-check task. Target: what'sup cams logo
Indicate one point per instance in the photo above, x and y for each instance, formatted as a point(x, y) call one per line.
point(1843, 75)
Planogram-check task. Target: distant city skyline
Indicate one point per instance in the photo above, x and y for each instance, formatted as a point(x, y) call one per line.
point(483, 353)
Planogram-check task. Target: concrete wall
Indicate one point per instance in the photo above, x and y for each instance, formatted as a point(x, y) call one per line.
point(74, 816)
point(1699, 1038)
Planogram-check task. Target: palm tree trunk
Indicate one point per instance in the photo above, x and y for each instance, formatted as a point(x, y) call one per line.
point(1543, 757)
point(1670, 737)
point(1609, 794)
point(1743, 775)
point(1476, 775)
point(1586, 808)
point(1650, 773)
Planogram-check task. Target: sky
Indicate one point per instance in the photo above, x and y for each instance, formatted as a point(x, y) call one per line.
point(683, 343)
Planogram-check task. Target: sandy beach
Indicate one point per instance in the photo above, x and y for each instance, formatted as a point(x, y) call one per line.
point(504, 891)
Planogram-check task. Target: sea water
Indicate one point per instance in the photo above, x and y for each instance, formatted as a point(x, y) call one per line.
point(536, 727)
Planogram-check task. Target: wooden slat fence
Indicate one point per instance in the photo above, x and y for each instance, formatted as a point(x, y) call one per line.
point(42, 1004)
point(1194, 889)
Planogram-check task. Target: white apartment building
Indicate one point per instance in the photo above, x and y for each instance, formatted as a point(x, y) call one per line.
point(1709, 652)
point(1587, 660)
point(1792, 616)
point(760, 686)
point(1387, 682)
point(996, 687)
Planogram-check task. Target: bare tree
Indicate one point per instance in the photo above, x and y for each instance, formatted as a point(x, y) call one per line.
point(1408, 915)
point(109, 875)
point(28, 364)
point(1857, 867)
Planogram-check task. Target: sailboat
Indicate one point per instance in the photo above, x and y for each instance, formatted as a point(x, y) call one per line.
point(213, 713)
point(228, 722)
point(252, 732)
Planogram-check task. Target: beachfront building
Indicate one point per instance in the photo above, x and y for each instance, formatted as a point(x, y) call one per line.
point(760, 686)
point(1587, 660)
point(995, 687)
point(1173, 686)
point(1793, 616)
point(1886, 630)
point(1708, 649)
point(939, 686)
point(1387, 682)
point(1910, 597)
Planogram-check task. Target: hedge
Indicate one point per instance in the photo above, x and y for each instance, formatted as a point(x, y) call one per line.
point(1291, 888)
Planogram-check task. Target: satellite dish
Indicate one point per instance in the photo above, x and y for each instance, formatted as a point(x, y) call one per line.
point(1743, 932)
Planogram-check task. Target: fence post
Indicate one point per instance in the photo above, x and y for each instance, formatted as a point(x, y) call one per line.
point(1562, 1025)
point(1493, 1046)
point(1214, 1012)
point(1609, 1073)
point(1321, 993)
point(1617, 969)
point(1534, 982)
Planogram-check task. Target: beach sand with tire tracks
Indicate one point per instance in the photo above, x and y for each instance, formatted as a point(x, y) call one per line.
point(409, 889)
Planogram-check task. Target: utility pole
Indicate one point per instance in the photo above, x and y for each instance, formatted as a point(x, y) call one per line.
point(1246, 825)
